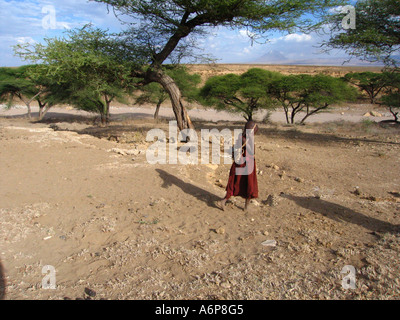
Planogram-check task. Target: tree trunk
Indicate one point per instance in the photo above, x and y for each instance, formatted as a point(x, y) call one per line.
point(395, 115)
point(175, 96)
point(43, 108)
point(29, 111)
point(103, 118)
point(157, 111)
point(108, 113)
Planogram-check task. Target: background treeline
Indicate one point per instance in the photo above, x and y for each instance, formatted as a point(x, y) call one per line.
point(91, 69)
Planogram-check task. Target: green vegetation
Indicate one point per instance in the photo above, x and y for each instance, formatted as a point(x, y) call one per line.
point(376, 37)
point(28, 84)
point(89, 68)
point(244, 94)
point(168, 30)
point(391, 98)
point(369, 82)
point(154, 93)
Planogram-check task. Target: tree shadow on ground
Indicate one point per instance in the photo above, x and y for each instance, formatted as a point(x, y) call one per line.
point(2, 282)
point(342, 214)
point(198, 193)
point(296, 133)
point(324, 138)
point(269, 131)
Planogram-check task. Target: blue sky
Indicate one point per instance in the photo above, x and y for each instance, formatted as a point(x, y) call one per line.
point(24, 21)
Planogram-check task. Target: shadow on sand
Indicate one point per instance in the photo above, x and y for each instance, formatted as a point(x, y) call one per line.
point(198, 193)
point(342, 214)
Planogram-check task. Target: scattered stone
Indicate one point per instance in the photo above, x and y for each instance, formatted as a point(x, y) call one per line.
point(300, 180)
point(357, 191)
point(255, 202)
point(376, 114)
point(90, 292)
point(113, 138)
point(272, 201)
point(371, 198)
point(368, 114)
point(124, 152)
point(220, 231)
point(275, 167)
point(219, 183)
point(269, 243)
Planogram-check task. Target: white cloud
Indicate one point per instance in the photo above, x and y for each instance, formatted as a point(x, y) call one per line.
point(25, 40)
point(33, 20)
point(298, 37)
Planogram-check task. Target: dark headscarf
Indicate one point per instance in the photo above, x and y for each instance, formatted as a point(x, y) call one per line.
point(250, 125)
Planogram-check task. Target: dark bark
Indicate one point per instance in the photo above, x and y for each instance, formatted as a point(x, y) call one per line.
point(43, 109)
point(395, 115)
point(169, 85)
point(157, 111)
point(315, 111)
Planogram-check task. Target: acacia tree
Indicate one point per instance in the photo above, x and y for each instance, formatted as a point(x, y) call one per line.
point(15, 83)
point(88, 67)
point(154, 93)
point(245, 94)
point(369, 82)
point(309, 95)
point(391, 97)
point(164, 27)
point(376, 37)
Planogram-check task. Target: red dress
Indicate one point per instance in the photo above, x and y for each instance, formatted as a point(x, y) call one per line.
point(244, 185)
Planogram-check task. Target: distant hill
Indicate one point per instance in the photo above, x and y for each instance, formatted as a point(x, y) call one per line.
point(276, 57)
point(209, 70)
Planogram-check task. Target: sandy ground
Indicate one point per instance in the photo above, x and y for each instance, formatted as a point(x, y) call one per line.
point(84, 200)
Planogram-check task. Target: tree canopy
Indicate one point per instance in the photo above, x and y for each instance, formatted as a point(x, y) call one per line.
point(309, 94)
point(88, 65)
point(371, 83)
point(27, 84)
point(376, 37)
point(391, 97)
point(154, 93)
point(161, 29)
point(245, 94)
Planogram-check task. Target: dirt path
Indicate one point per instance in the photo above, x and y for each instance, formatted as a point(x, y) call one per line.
point(107, 220)
point(349, 113)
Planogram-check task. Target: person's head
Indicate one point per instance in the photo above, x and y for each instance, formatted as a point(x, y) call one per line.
point(250, 125)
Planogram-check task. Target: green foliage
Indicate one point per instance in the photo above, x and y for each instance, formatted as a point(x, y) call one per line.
point(391, 98)
point(167, 28)
point(89, 67)
point(244, 94)
point(370, 82)
point(377, 34)
point(309, 94)
point(154, 93)
point(14, 83)
point(27, 83)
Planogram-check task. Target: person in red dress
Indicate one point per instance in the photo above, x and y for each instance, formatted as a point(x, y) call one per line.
point(242, 180)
